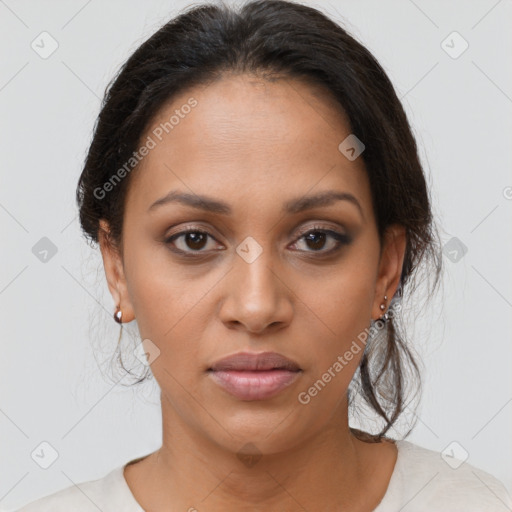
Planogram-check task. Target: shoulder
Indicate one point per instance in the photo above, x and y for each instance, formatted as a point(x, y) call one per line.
point(93, 495)
point(430, 480)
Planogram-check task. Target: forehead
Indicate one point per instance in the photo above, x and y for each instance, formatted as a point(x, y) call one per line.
point(248, 138)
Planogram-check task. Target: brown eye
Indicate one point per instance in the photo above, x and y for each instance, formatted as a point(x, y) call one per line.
point(195, 240)
point(317, 239)
point(190, 241)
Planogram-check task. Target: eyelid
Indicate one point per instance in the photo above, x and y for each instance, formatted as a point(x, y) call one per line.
point(317, 227)
point(190, 228)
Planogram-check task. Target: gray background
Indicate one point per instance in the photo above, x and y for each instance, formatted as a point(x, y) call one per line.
point(56, 325)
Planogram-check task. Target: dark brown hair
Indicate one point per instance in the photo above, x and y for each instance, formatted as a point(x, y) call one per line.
point(279, 38)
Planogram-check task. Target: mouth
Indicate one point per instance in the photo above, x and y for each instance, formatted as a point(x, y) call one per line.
point(248, 376)
point(247, 361)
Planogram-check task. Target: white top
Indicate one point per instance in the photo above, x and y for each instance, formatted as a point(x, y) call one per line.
point(421, 481)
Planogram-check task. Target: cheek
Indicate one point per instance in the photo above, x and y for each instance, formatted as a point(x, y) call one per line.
point(345, 312)
point(337, 316)
point(342, 300)
point(168, 305)
point(158, 291)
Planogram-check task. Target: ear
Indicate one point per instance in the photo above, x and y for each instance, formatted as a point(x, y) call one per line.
point(390, 268)
point(114, 272)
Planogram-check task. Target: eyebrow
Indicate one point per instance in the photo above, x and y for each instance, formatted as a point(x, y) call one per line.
point(297, 205)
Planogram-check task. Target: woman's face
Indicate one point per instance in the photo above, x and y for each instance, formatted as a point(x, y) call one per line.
point(257, 281)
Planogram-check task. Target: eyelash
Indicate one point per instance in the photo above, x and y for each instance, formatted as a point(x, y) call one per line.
point(340, 238)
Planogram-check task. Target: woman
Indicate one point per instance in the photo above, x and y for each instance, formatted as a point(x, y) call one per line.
point(257, 196)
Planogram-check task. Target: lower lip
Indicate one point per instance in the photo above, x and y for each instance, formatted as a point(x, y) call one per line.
point(254, 385)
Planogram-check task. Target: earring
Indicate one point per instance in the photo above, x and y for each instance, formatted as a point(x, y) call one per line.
point(118, 316)
point(385, 316)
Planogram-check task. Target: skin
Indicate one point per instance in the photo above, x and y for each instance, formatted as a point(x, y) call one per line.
point(254, 144)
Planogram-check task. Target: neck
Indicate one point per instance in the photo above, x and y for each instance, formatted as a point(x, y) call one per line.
point(329, 470)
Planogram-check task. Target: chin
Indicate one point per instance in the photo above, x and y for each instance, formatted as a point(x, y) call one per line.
point(258, 433)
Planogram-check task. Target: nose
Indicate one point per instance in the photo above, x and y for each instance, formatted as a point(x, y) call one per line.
point(257, 297)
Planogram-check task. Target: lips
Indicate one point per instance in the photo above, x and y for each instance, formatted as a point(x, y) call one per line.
point(248, 376)
point(245, 361)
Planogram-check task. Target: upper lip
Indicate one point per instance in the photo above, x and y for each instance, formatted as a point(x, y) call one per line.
point(252, 361)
